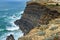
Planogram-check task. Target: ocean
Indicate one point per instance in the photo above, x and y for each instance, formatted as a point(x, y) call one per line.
point(10, 12)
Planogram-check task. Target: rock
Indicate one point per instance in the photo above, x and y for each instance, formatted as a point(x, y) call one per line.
point(35, 14)
point(10, 37)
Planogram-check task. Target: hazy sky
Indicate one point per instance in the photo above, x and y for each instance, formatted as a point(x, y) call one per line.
point(12, 0)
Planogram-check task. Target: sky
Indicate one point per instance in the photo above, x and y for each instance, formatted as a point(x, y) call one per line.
point(12, 0)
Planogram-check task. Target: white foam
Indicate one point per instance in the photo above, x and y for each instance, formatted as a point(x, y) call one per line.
point(19, 14)
point(10, 33)
point(14, 18)
point(3, 37)
point(12, 28)
point(15, 34)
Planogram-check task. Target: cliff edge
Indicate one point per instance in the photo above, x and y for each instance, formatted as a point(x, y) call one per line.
point(35, 15)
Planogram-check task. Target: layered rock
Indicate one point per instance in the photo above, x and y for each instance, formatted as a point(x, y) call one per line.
point(35, 15)
point(45, 32)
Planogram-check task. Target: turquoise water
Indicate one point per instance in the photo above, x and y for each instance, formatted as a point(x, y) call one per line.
point(10, 12)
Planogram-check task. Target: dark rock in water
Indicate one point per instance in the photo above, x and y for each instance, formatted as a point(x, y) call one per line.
point(35, 14)
point(10, 37)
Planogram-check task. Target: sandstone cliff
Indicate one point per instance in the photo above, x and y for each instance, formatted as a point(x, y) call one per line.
point(35, 15)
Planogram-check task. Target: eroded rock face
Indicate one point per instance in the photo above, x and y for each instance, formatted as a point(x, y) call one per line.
point(10, 37)
point(34, 15)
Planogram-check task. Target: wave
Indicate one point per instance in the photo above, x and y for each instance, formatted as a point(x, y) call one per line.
point(11, 20)
point(12, 28)
point(3, 37)
point(15, 33)
point(19, 15)
point(14, 18)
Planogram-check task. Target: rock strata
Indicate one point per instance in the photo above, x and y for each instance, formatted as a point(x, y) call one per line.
point(34, 15)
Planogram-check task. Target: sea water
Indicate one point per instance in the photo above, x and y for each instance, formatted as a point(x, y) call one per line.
point(10, 12)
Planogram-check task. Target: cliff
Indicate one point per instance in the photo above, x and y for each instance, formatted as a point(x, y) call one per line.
point(39, 22)
point(45, 32)
point(35, 15)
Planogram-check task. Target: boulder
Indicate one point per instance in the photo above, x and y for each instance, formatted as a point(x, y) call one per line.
point(10, 37)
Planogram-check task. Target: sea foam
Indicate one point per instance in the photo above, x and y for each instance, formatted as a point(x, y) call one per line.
point(14, 18)
point(14, 30)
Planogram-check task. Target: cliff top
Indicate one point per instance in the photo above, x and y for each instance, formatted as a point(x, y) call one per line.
point(46, 2)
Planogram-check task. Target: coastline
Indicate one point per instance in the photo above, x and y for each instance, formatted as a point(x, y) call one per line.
point(29, 36)
point(39, 22)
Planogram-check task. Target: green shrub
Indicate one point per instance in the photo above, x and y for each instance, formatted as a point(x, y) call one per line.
point(53, 28)
point(49, 38)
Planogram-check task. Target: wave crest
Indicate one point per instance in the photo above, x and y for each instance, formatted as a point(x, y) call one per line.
point(12, 28)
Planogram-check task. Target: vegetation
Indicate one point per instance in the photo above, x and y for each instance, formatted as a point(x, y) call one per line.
point(53, 28)
point(41, 33)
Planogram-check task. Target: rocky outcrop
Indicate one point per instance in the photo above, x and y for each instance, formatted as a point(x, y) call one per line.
point(35, 15)
point(10, 37)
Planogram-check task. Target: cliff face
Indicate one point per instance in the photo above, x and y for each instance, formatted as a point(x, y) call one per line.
point(35, 15)
point(45, 32)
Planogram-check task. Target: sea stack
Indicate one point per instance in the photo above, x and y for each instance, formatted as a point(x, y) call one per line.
point(10, 37)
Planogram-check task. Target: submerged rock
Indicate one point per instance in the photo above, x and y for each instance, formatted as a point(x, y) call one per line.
point(10, 37)
point(35, 14)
